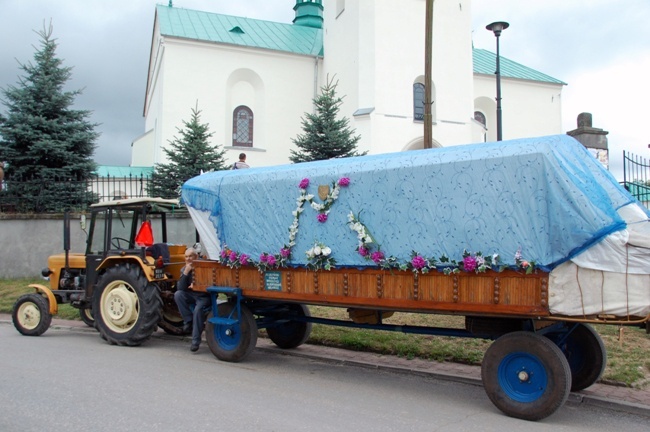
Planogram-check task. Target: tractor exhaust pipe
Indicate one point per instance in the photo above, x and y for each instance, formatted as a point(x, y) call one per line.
point(66, 237)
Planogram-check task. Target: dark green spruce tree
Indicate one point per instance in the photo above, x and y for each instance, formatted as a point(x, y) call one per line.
point(188, 156)
point(326, 136)
point(47, 146)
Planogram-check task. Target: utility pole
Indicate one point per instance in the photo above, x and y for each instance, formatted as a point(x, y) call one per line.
point(428, 46)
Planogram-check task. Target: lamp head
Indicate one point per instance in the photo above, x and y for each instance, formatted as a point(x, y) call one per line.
point(497, 27)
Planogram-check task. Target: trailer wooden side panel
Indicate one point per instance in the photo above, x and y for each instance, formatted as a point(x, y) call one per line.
point(507, 293)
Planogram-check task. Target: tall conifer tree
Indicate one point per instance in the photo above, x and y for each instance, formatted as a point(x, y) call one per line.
point(43, 141)
point(188, 156)
point(326, 136)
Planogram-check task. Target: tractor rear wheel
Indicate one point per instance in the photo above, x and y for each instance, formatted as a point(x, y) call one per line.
point(126, 307)
point(31, 315)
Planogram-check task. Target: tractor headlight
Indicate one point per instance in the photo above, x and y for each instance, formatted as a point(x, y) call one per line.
point(46, 272)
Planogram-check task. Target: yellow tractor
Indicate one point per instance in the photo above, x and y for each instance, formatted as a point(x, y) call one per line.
point(123, 284)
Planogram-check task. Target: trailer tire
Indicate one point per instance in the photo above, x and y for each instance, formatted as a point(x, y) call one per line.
point(31, 315)
point(526, 375)
point(586, 354)
point(126, 307)
point(291, 334)
point(232, 342)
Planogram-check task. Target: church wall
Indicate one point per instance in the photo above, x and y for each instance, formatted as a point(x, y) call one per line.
point(220, 78)
point(528, 108)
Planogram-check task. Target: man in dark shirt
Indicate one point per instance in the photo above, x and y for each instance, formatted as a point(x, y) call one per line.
point(186, 299)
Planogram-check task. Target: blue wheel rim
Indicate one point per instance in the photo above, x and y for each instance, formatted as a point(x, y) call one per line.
point(523, 377)
point(228, 342)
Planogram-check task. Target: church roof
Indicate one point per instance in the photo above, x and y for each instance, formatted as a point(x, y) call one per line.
point(297, 39)
point(239, 31)
point(485, 63)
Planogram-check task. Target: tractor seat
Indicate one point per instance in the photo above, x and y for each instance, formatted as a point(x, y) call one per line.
point(159, 249)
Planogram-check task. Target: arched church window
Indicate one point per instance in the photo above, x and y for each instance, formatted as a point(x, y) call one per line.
point(418, 101)
point(480, 117)
point(242, 127)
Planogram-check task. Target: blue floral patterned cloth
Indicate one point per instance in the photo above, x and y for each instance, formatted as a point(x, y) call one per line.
point(547, 197)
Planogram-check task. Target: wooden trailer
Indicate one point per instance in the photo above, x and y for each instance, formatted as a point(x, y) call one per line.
point(563, 246)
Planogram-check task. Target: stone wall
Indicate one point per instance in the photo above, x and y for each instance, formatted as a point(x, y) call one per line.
point(27, 240)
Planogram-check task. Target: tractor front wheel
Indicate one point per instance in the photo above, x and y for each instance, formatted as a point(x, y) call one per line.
point(31, 315)
point(126, 307)
point(86, 314)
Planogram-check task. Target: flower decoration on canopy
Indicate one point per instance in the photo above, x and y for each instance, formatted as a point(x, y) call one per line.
point(234, 259)
point(320, 257)
point(333, 194)
point(522, 264)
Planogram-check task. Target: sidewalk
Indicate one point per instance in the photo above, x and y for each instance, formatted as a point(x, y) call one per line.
point(613, 397)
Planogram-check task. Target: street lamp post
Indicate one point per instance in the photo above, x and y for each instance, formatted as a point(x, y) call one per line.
point(497, 27)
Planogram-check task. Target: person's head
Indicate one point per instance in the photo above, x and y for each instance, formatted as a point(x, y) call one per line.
point(190, 255)
point(242, 157)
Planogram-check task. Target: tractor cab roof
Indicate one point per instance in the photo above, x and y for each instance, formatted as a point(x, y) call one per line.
point(157, 205)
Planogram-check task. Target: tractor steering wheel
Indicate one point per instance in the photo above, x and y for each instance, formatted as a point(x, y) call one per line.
point(116, 242)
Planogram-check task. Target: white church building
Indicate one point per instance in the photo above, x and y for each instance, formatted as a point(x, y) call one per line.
point(254, 80)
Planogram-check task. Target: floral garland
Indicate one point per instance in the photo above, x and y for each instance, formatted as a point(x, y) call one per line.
point(322, 209)
point(320, 255)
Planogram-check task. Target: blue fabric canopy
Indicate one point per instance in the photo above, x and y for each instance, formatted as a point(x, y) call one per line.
point(547, 197)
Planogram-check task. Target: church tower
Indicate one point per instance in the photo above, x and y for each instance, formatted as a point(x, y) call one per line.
point(309, 13)
point(376, 51)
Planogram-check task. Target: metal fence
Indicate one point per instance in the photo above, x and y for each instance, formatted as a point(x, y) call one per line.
point(35, 194)
point(636, 177)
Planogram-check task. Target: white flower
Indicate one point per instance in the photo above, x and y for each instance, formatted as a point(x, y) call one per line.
point(367, 240)
point(317, 250)
point(310, 253)
point(309, 197)
point(316, 206)
point(326, 251)
point(350, 217)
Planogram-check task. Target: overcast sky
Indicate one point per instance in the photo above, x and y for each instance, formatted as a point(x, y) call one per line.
point(601, 48)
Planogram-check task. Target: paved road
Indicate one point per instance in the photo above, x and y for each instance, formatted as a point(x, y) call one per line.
point(73, 381)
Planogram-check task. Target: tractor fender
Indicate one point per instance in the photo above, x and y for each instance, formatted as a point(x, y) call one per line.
point(147, 268)
point(54, 306)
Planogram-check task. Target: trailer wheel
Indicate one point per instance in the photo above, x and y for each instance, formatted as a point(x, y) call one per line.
point(232, 342)
point(288, 334)
point(126, 307)
point(586, 354)
point(526, 375)
point(31, 315)
point(86, 314)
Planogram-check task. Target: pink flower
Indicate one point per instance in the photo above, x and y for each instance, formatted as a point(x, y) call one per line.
point(264, 258)
point(344, 181)
point(233, 256)
point(243, 259)
point(418, 262)
point(284, 252)
point(469, 263)
point(322, 217)
point(270, 260)
point(377, 256)
point(223, 253)
point(524, 264)
point(304, 183)
point(363, 251)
